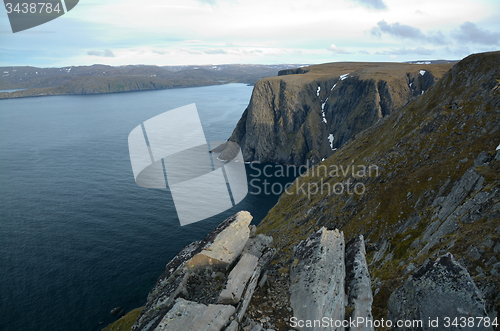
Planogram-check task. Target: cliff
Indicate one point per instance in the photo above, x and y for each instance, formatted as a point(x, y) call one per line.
point(304, 114)
point(436, 189)
point(417, 239)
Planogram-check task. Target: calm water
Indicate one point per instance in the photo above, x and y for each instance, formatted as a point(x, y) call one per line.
point(78, 237)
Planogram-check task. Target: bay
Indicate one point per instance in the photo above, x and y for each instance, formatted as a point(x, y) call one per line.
point(78, 237)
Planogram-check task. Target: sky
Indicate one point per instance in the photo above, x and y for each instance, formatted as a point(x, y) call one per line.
point(198, 32)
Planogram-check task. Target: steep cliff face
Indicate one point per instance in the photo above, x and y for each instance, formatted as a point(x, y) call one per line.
point(436, 188)
point(305, 114)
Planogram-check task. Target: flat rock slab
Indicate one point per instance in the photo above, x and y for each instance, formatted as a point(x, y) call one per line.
point(317, 278)
point(439, 289)
point(238, 279)
point(228, 244)
point(191, 316)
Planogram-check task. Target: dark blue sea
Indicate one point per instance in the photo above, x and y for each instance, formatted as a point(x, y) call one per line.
point(78, 236)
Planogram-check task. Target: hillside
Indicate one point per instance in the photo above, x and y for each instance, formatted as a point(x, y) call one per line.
point(436, 189)
point(304, 114)
point(32, 81)
point(401, 223)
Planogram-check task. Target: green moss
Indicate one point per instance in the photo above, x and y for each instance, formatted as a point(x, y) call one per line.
point(125, 323)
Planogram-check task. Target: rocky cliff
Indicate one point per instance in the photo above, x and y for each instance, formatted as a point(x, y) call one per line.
point(436, 190)
point(305, 114)
point(415, 239)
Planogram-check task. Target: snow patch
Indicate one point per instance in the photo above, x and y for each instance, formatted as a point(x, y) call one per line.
point(333, 86)
point(422, 72)
point(331, 138)
point(498, 147)
point(342, 77)
point(317, 91)
point(426, 62)
point(323, 110)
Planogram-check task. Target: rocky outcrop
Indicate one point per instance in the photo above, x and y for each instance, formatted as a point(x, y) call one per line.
point(439, 291)
point(325, 277)
point(358, 283)
point(306, 113)
point(317, 279)
point(209, 284)
point(467, 201)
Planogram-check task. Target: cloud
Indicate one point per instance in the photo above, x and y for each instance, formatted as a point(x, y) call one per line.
point(397, 30)
point(160, 52)
point(210, 2)
point(407, 51)
point(470, 32)
point(363, 52)
point(407, 32)
point(334, 49)
point(215, 51)
point(375, 4)
point(105, 53)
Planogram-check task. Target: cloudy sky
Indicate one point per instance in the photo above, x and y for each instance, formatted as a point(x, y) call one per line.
point(174, 32)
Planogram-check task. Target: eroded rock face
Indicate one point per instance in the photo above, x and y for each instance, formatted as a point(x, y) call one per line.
point(291, 118)
point(317, 278)
point(439, 289)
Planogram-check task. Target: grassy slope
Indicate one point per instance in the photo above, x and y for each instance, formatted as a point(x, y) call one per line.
point(125, 322)
point(433, 139)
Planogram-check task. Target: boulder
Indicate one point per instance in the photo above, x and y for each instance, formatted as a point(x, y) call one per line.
point(438, 290)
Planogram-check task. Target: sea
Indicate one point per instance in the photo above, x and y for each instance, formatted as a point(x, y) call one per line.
point(78, 236)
